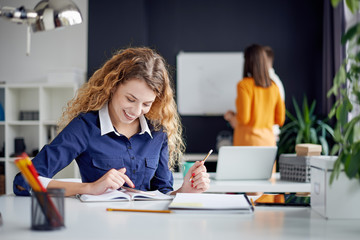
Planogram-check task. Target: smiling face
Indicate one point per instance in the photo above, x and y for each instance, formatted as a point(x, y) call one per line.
point(129, 101)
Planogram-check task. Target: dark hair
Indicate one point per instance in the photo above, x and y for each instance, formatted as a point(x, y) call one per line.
point(256, 66)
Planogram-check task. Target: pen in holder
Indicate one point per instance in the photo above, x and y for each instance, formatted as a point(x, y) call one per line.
point(47, 209)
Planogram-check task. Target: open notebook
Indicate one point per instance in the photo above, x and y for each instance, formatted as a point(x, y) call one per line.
point(245, 163)
point(124, 194)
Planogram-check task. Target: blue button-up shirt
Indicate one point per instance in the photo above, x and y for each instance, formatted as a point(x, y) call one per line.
point(93, 142)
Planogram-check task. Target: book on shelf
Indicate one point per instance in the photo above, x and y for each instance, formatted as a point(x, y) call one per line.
point(125, 194)
point(211, 202)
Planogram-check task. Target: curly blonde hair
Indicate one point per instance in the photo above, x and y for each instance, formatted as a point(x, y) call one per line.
point(142, 63)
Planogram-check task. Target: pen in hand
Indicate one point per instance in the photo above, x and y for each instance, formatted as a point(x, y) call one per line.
point(203, 161)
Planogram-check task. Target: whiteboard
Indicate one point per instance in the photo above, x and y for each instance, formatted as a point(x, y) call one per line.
point(206, 82)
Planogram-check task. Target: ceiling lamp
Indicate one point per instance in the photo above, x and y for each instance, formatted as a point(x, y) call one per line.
point(47, 15)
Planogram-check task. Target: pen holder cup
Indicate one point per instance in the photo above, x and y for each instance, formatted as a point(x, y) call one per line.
point(186, 166)
point(47, 209)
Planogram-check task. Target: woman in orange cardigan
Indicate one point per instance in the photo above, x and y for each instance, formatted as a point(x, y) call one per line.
point(259, 105)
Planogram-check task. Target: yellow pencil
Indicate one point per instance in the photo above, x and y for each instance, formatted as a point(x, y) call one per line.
point(31, 176)
point(22, 165)
point(137, 210)
point(203, 161)
point(252, 202)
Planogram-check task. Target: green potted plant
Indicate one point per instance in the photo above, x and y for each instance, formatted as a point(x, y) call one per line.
point(335, 178)
point(347, 91)
point(304, 127)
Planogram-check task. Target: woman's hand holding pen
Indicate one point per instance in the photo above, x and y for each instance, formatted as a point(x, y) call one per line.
point(113, 179)
point(199, 179)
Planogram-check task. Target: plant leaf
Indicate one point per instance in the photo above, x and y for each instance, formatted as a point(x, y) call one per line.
point(350, 33)
point(326, 127)
point(290, 126)
point(286, 137)
point(299, 137)
point(324, 145)
point(334, 3)
point(349, 129)
point(337, 133)
point(313, 136)
point(332, 91)
point(354, 163)
point(336, 169)
point(298, 114)
point(306, 112)
point(340, 77)
point(341, 114)
point(353, 5)
point(312, 108)
point(289, 115)
point(335, 149)
point(333, 109)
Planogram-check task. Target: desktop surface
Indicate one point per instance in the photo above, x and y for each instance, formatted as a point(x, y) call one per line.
point(92, 221)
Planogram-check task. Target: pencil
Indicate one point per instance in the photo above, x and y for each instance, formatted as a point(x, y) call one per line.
point(32, 177)
point(203, 161)
point(34, 173)
point(252, 202)
point(137, 210)
point(21, 164)
point(207, 155)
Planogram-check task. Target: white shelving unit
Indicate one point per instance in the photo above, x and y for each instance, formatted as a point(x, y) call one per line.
point(48, 100)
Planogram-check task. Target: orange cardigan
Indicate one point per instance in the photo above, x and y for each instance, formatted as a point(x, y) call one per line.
point(258, 109)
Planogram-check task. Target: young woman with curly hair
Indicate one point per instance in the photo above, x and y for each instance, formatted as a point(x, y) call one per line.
point(122, 128)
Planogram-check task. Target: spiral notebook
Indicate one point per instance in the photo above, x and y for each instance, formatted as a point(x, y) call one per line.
point(211, 202)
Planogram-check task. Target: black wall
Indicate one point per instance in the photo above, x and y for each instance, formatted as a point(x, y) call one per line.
point(292, 28)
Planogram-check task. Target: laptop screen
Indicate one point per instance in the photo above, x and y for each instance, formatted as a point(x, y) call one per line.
point(245, 162)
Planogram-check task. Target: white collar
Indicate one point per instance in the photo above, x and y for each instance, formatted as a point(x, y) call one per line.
point(106, 125)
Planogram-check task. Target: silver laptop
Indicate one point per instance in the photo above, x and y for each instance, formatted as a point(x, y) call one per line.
point(245, 163)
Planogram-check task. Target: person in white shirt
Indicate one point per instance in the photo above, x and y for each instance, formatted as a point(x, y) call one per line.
point(273, 75)
point(277, 81)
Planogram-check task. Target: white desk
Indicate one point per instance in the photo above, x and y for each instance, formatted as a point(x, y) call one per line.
point(92, 221)
point(274, 185)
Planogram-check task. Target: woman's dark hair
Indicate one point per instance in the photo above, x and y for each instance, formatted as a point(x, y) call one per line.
point(256, 66)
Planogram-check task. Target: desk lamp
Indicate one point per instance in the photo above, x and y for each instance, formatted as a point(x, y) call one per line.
point(47, 15)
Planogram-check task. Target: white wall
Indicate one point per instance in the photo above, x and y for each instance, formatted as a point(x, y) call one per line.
point(60, 50)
